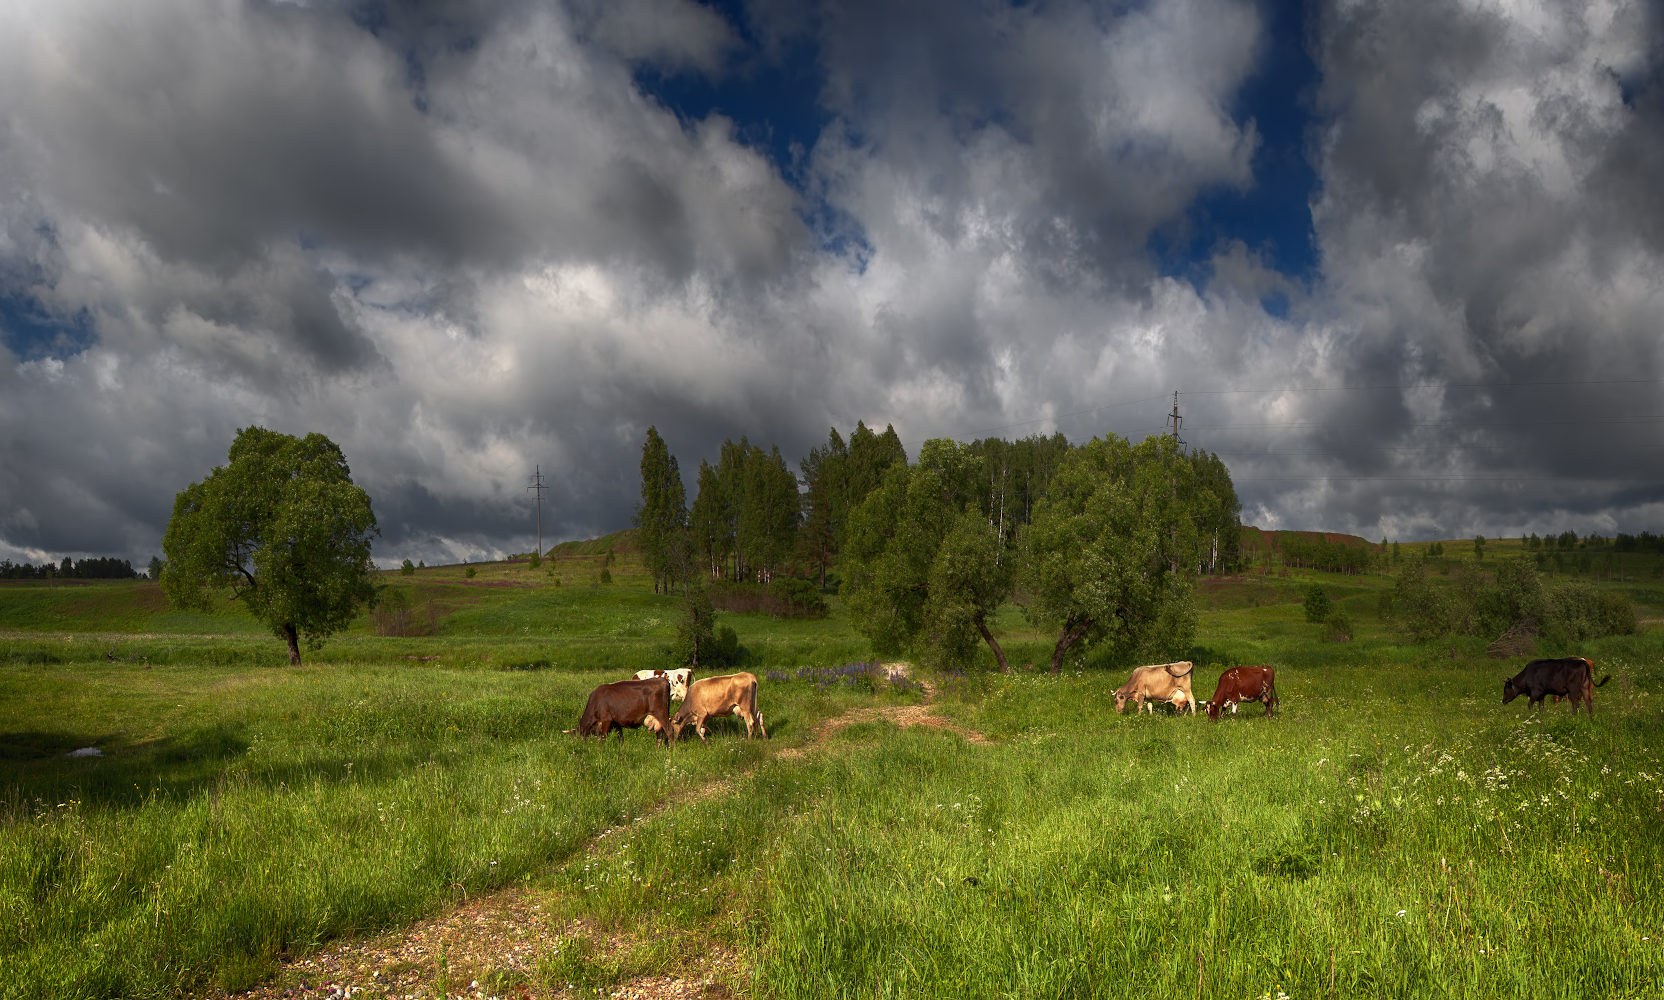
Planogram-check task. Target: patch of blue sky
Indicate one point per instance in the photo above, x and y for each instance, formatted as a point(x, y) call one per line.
point(32, 332)
point(1272, 217)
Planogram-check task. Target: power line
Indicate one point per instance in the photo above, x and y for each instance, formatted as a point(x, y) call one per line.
point(1430, 385)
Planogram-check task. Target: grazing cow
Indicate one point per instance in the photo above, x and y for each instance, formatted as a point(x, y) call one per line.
point(1169, 682)
point(1240, 684)
point(711, 696)
point(680, 678)
point(1570, 677)
point(627, 705)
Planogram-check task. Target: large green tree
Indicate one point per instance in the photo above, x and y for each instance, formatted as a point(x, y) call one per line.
point(710, 522)
point(925, 567)
point(1104, 552)
point(284, 528)
point(661, 517)
point(769, 513)
point(825, 501)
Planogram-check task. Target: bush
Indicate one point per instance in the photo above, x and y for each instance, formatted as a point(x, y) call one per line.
point(1317, 603)
point(1423, 610)
point(1383, 605)
point(394, 615)
point(470, 572)
point(606, 575)
point(1339, 627)
point(1514, 604)
point(408, 569)
point(1579, 611)
point(536, 560)
point(699, 643)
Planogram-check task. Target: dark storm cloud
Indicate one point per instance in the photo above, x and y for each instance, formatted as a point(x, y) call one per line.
point(465, 239)
point(1467, 238)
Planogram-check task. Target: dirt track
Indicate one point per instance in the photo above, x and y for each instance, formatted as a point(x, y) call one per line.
point(504, 932)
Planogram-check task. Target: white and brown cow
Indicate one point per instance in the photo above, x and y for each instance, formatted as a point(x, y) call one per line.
point(711, 696)
point(679, 679)
point(1169, 682)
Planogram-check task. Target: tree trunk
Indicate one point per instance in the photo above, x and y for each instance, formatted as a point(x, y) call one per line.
point(1072, 629)
point(294, 645)
point(993, 644)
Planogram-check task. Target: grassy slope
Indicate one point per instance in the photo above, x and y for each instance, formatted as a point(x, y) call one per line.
point(246, 807)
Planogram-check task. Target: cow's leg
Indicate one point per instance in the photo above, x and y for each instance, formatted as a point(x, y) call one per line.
point(699, 727)
point(760, 727)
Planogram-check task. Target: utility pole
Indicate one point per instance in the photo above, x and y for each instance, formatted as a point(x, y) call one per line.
point(1173, 490)
point(537, 489)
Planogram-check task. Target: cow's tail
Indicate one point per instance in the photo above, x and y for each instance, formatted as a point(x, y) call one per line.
point(1603, 680)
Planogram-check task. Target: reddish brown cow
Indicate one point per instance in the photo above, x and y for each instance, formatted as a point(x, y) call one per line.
point(625, 705)
point(1240, 684)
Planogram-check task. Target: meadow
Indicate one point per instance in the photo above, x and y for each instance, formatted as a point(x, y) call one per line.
point(1393, 832)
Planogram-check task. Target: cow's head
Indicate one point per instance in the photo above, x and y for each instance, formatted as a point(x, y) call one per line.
point(1120, 702)
point(679, 722)
point(1509, 691)
point(1213, 709)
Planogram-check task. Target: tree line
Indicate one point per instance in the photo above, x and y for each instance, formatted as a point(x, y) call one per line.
point(1097, 541)
point(97, 568)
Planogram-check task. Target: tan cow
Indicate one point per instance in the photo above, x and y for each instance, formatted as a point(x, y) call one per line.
point(711, 696)
point(1169, 682)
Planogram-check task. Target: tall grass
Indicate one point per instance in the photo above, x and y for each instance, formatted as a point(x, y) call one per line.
point(1394, 819)
point(263, 813)
point(1432, 850)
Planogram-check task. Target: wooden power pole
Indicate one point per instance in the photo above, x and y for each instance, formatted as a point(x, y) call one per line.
point(537, 489)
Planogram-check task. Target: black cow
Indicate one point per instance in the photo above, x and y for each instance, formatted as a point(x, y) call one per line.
point(628, 705)
point(1570, 677)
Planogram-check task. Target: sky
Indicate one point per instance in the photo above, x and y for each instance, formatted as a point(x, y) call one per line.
point(1402, 261)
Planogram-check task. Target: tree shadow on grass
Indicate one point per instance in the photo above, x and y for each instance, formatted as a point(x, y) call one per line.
point(35, 764)
point(35, 767)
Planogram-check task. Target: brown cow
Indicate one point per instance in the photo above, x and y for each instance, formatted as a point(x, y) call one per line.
point(1168, 682)
point(711, 696)
point(628, 705)
point(1570, 677)
point(1240, 684)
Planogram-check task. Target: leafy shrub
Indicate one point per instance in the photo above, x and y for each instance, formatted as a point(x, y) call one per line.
point(698, 641)
point(1475, 606)
point(470, 572)
point(408, 568)
point(1339, 627)
point(606, 575)
point(1317, 603)
point(393, 614)
point(1578, 611)
point(1383, 605)
point(535, 561)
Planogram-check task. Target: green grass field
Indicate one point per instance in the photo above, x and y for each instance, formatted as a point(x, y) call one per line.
point(1394, 832)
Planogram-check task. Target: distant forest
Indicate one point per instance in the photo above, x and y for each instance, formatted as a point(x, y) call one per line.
point(100, 568)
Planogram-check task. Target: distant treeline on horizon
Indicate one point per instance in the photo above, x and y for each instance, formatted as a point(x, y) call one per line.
point(99, 568)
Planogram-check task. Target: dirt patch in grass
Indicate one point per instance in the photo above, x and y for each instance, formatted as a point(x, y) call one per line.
point(490, 946)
